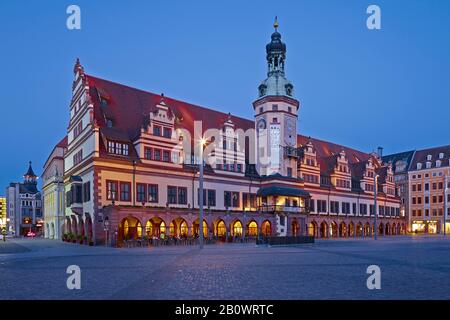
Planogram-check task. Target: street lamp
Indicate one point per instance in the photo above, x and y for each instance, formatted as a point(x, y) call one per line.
point(106, 228)
point(445, 204)
point(200, 205)
point(375, 190)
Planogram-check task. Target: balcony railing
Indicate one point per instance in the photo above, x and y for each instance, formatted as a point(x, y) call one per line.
point(292, 152)
point(281, 208)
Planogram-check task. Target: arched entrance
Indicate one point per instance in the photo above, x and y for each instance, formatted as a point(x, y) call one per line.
point(394, 229)
point(387, 230)
point(252, 229)
point(88, 225)
point(179, 228)
point(81, 227)
point(236, 229)
point(68, 226)
point(351, 229)
point(266, 228)
point(195, 228)
point(130, 228)
point(324, 230)
point(333, 229)
point(155, 227)
point(367, 230)
point(313, 229)
point(359, 230)
point(221, 229)
point(74, 226)
point(295, 228)
point(342, 230)
point(381, 229)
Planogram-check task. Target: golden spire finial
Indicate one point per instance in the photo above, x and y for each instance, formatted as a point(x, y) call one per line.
point(275, 24)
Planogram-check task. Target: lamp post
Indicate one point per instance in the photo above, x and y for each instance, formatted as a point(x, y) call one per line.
point(200, 196)
point(445, 203)
point(375, 190)
point(106, 228)
point(134, 183)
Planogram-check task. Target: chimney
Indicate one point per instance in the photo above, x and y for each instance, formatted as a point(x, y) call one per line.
point(380, 151)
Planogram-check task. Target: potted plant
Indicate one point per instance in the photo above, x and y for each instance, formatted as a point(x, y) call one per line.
point(80, 239)
point(64, 237)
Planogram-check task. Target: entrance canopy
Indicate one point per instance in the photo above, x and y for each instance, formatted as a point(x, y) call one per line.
point(282, 191)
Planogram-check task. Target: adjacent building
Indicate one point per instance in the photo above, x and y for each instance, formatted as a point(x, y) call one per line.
point(25, 205)
point(132, 159)
point(429, 191)
point(400, 163)
point(53, 191)
point(3, 213)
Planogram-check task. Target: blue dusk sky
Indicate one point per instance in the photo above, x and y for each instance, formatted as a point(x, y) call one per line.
point(357, 87)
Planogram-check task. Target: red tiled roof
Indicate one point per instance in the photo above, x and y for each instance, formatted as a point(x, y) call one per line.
point(421, 156)
point(129, 108)
point(62, 143)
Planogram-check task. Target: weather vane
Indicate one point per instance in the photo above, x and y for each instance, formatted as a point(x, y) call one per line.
point(275, 24)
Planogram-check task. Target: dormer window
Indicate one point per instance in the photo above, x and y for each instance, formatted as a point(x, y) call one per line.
point(428, 164)
point(262, 90)
point(118, 148)
point(438, 163)
point(419, 166)
point(289, 89)
point(429, 157)
point(441, 155)
point(109, 123)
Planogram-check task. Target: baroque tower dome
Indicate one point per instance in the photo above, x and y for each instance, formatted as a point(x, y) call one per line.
point(276, 83)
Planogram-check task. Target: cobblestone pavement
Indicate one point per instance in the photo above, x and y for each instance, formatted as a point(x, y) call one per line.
point(411, 268)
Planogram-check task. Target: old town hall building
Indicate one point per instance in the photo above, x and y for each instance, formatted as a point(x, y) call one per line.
point(131, 168)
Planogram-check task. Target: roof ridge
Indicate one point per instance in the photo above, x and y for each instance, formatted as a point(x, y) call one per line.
point(168, 97)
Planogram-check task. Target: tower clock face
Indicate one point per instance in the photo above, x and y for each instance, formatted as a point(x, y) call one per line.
point(261, 124)
point(290, 132)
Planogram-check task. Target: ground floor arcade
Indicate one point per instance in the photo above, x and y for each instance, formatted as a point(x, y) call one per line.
point(346, 227)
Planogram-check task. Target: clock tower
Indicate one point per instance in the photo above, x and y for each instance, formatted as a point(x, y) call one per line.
point(276, 113)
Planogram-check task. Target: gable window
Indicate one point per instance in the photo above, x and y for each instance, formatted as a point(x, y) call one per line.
point(78, 129)
point(157, 130)
point(166, 156)
point(157, 155)
point(167, 133)
point(78, 157)
point(148, 153)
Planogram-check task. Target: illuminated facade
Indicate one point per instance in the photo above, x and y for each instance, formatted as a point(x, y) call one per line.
point(53, 191)
point(132, 160)
point(3, 213)
point(429, 195)
point(25, 205)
